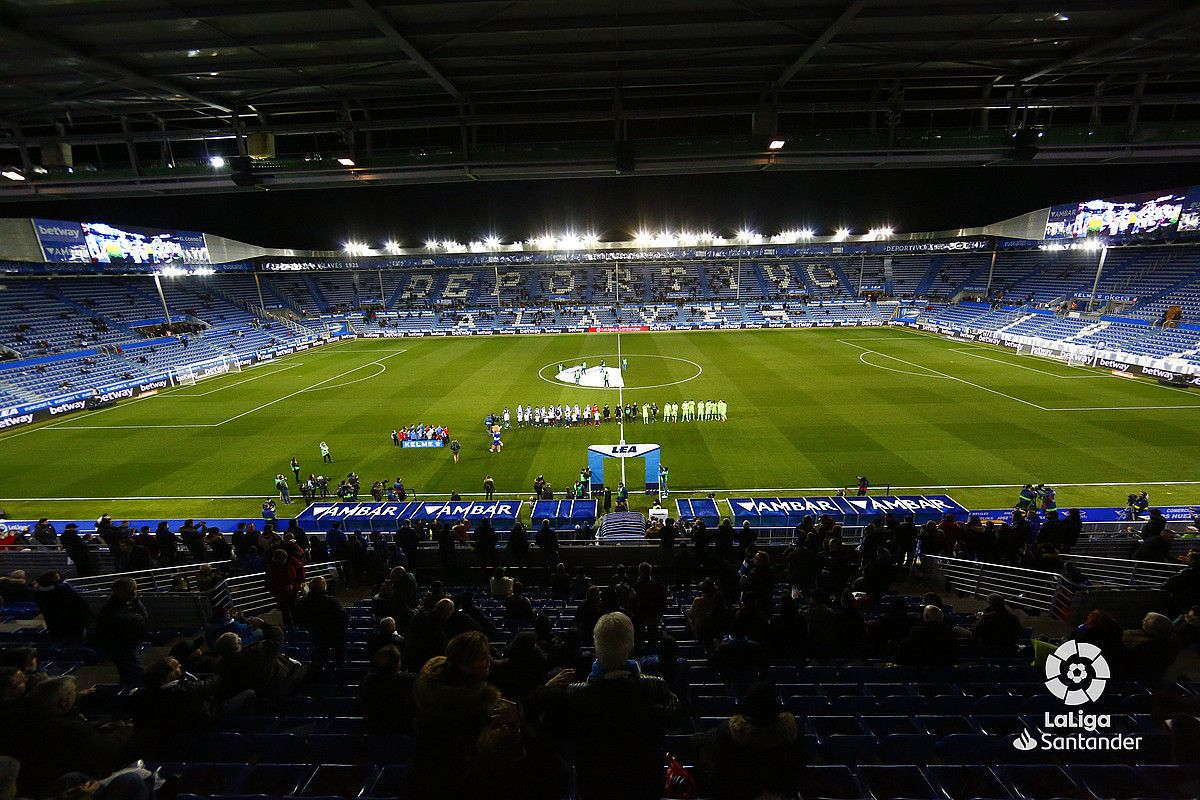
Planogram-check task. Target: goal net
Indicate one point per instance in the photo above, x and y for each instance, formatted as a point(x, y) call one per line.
point(189, 374)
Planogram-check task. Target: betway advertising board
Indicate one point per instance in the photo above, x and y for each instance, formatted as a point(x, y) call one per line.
point(790, 511)
point(387, 516)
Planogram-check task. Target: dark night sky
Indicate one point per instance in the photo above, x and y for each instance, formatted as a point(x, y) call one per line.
point(909, 200)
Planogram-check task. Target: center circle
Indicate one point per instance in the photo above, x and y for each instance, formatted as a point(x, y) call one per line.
point(552, 367)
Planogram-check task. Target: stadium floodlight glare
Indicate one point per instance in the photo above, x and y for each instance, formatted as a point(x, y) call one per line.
point(12, 175)
point(806, 233)
point(431, 244)
point(492, 241)
point(643, 238)
point(841, 233)
point(216, 162)
point(745, 235)
point(776, 144)
point(1093, 244)
point(346, 161)
point(591, 239)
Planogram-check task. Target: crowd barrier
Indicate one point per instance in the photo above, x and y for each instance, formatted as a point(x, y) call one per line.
point(1028, 589)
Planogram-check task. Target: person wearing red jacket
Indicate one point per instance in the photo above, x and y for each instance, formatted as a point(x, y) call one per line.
point(285, 576)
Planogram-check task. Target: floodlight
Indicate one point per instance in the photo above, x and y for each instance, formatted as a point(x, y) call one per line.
point(776, 144)
point(346, 161)
point(216, 162)
point(12, 175)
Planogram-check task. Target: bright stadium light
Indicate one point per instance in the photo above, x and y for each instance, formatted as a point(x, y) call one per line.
point(776, 144)
point(1092, 244)
point(492, 242)
point(643, 238)
point(12, 175)
point(346, 161)
point(841, 233)
point(688, 239)
point(591, 239)
point(216, 162)
point(391, 246)
point(886, 231)
point(431, 244)
point(746, 235)
point(806, 233)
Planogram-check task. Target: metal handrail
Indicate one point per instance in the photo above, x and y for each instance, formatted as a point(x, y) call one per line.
point(1124, 571)
point(147, 579)
point(1030, 589)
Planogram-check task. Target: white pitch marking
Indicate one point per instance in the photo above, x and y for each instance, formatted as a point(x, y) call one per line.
point(863, 358)
point(967, 352)
point(235, 383)
point(827, 490)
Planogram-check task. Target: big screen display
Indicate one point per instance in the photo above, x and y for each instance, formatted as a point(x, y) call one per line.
point(1117, 216)
point(101, 243)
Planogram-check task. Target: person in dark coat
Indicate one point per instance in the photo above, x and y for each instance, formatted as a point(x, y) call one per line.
point(193, 540)
point(168, 546)
point(284, 577)
point(66, 614)
point(259, 666)
point(547, 542)
point(1155, 548)
point(1184, 586)
point(427, 633)
point(327, 621)
point(758, 752)
point(174, 705)
point(998, 628)
point(485, 544)
point(930, 643)
point(121, 629)
point(77, 550)
point(385, 694)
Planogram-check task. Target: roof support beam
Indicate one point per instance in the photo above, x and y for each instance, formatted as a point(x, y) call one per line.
point(372, 14)
point(15, 33)
point(1089, 54)
point(809, 52)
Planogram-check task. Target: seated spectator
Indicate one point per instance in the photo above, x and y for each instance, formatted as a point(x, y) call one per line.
point(1187, 627)
point(851, 628)
point(888, 629)
point(669, 666)
point(930, 643)
point(617, 717)
point(469, 617)
point(14, 588)
point(648, 602)
point(756, 753)
point(560, 582)
point(259, 666)
point(384, 636)
point(819, 620)
point(518, 610)
point(738, 658)
point(525, 668)
point(997, 627)
point(385, 695)
point(427, 633)
point(326, 620)
point(454, 703)
point(1184, 586)
point(709, 613)
point(1150, 652)
point(501, 585)
point(589, 611)
point(64, 611)
point(1102, 629)
point(57, 739)
point(173, 705)
point(1155, 548)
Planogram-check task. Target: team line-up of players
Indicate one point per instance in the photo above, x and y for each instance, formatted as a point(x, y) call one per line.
point(595, 414)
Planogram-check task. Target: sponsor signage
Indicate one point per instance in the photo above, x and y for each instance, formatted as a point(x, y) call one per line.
point(619, 329)
point(387, 516)
point(623, 450)
point(421, 443)
point(852, 510)
point(1131, 215)
point(101, 243)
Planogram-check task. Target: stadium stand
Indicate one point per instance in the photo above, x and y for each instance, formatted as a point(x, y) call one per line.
point(70, 335)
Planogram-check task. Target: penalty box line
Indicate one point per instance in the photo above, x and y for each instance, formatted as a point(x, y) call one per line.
point(318, 384)
point(1012, 397)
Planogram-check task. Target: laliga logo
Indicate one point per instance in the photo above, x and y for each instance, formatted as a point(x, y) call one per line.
point(1076, 673)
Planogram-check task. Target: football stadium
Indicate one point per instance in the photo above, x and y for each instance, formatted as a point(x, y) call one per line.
point(832, 431)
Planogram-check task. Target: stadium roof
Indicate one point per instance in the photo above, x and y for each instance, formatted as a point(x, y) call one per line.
point(145, 92)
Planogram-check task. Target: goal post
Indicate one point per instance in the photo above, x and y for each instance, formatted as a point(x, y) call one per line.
point(190, 374)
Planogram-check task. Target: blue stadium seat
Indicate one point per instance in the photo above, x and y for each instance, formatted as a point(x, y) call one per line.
point(827, 726)
point(830, 783)
point(807, 706)
point(945, 724)
point(847, 749)
point(338, 780)
point(886, 726)
point(970, 782)
point(275, 780)
point(896, 783)
point(278, 748)
point(966, 748)
point(387, 784)
point(854, 706)
point(906, 748)
point(333, 748)
point(1040, 782)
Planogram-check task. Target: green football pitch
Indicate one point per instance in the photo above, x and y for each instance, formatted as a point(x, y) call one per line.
point(808, 412)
